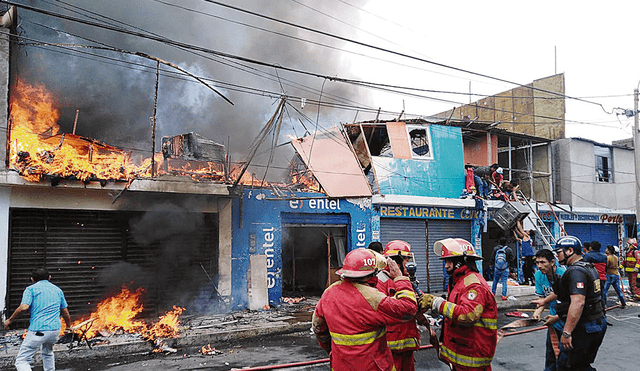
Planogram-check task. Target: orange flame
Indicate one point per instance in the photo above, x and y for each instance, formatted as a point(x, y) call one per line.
point(38, 149)
point(118, 313)
point(207, 349)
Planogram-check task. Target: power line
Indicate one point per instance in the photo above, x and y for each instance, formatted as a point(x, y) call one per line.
point(371, 85)
point(249, 60)
point(393, 52)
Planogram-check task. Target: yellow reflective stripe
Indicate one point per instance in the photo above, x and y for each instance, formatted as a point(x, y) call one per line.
point(448, 309)
point(630, 259)
point(490, 323)
point(401, 344)
point(463, 360)
point(358, 339)
point(406, 294)
point(629, 269)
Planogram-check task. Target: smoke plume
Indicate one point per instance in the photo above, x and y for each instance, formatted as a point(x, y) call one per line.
point(115, 93)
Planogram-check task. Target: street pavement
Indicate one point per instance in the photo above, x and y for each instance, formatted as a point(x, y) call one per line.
point(251, 339)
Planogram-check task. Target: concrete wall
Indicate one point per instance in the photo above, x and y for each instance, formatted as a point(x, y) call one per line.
point(4, 92)
point(521, 110)
point(481, 152)
point(575, 176)
point(441, 177)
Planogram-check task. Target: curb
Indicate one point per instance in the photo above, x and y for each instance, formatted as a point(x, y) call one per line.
point(66, 355)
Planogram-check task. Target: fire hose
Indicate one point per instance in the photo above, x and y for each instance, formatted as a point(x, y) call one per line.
point(512, 325)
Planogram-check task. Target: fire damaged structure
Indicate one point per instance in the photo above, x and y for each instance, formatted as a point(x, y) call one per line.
point(94, 215)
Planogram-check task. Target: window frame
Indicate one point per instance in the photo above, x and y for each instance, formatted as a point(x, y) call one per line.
point(602, 153)
point(426, 128)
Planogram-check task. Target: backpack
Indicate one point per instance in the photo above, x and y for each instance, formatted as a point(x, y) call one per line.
point(501, 258)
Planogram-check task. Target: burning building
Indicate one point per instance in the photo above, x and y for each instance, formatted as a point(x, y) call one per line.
point(100, 218)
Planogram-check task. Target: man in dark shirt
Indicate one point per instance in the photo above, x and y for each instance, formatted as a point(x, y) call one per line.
point(599, 261)
point(501, 273)
point(482, 176)
point(580, 306)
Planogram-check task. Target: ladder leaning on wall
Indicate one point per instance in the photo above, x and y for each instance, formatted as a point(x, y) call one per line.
point(541, 229)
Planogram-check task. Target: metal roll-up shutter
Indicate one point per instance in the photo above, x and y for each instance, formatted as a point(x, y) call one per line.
point(606, 234)
point(74, 245)
point(439, 230)
point(413, 231)
point(78, 245)
point(580, 230)
point(183, 266)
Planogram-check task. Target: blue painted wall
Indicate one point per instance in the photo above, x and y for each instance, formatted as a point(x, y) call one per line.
point(443, 176)
point(257, 230)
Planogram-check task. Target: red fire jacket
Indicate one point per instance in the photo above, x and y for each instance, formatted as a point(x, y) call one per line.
point(470, 322)
point(349, 322)
point(404, 336)
point(631, 261)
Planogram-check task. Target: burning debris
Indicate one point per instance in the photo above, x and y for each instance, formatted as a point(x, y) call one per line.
point(293, 300)
point(37, 149)
point(208, 350)
point(117, 314)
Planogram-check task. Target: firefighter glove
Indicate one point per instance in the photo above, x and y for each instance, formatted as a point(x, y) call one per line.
point(425, 302)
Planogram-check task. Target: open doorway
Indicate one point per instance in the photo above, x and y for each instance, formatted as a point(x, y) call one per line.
point(310, 256)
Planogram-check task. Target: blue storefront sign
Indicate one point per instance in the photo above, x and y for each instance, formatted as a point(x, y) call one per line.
point(258, 218)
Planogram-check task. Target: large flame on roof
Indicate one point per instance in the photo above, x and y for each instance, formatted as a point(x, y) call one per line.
point(119, 313)
point(38, 149)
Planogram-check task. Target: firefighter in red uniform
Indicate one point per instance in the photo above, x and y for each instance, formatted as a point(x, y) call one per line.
point(350, 318)
point(404, 338)
point(470, 313)
point(631, 266)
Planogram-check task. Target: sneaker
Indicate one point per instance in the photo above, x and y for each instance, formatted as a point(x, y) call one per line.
point(504, 298)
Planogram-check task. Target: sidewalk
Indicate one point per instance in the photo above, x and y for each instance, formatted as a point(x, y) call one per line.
point(199, 331)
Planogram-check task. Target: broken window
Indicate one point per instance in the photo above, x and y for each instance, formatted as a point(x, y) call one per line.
point(604, 164)
point(420, 141)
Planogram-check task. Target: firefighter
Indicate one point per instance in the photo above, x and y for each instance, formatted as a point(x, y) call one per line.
point(350, 318)
point(631, 267)
point(404, 338)
point(470, 313)
point(579, 307)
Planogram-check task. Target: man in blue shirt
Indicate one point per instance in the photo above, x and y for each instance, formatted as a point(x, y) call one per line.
point(548, 272)
point(45, 303)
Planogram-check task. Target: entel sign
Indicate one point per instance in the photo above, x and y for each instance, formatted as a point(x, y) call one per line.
point(316, 204)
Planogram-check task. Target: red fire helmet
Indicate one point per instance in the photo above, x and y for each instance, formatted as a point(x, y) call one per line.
point(359, 263)
point(397, 247)
point(454, 247)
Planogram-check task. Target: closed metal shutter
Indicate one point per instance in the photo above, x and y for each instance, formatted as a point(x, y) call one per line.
point(580, 230)
point(606, 234)
point(439, 230)
point(76, 245)
point(413, 231)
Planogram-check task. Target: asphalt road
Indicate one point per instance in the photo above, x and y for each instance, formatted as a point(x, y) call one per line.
point(523, 352)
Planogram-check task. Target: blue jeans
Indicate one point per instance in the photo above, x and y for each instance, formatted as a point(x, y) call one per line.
point(586, 340)
point(482, 186)
point(30, 346)
point(613, 279)
point(501, 275)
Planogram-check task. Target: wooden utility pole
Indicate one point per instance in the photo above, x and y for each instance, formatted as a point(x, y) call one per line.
point(153, 123)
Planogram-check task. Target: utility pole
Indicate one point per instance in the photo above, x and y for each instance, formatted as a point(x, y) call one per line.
point(636, 157)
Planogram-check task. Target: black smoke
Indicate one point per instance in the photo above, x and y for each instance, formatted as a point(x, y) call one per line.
point(115, 95)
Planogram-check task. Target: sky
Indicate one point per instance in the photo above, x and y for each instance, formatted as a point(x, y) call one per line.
point(510, 41)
